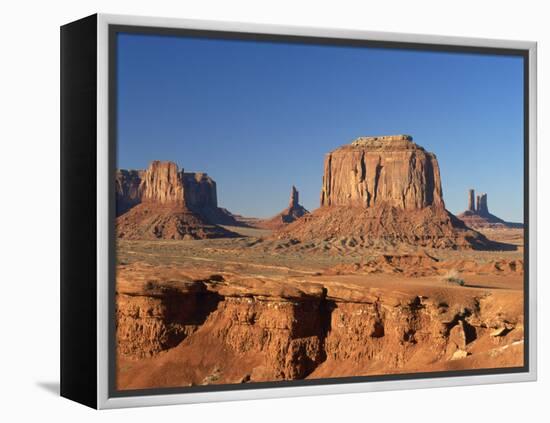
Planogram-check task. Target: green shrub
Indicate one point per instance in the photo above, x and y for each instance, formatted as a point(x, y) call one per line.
point(453, 277)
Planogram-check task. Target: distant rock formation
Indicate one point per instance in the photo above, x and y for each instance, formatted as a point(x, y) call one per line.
point(293, 212)
point(483, 209)
point(164, 183)
point(389, 170)
point(471, 199)
point(128, 189)
point(478, 217)
point(380, 191)
point(167, 203)
point(294, 198)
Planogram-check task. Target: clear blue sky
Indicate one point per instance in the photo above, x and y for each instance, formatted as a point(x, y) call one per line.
point(259, 117)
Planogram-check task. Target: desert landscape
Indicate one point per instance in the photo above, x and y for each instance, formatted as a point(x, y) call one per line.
point(379, 279)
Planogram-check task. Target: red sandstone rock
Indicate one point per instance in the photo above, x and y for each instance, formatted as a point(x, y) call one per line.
point(171, 204)
point(471, 201)
point(483, 209)
point(128, 189)
point(162, 183)
point(293, 212)
point(230, 329)
point(150, 221)
point(381, 191)
point(480, 217)
point(341, 229)
point(199, 191)
point(381, 170)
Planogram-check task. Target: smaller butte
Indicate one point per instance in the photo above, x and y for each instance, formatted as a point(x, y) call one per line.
point(164, 202)
point(477, 215)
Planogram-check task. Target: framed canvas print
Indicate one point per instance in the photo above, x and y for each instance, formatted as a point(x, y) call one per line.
point(254, 211)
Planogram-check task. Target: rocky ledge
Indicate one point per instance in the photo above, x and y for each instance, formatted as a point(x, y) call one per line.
point(177, 329)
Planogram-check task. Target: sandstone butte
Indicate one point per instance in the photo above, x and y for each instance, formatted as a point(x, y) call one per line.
point(380, 191)
point(477, 214)
point(293, 212)
point(164, 202)
point(389, 170)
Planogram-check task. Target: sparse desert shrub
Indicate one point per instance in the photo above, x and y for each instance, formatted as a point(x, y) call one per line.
point(452, 276)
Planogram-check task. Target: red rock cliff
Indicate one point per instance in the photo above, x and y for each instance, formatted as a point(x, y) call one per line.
point(164, 202)
point(163, 183)
point(199, 191)
point(128, 189)
point(389, 170)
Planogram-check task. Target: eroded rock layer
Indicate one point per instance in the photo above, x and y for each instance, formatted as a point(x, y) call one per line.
point(128, 189)
point(164, 183)
point(181, 330)
point(164, 202)
point(372, 171)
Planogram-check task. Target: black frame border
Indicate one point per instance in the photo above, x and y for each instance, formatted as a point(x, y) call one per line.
point(78, 211)
point(115, 29)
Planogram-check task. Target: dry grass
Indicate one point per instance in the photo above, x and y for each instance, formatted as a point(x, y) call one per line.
point(453, 277)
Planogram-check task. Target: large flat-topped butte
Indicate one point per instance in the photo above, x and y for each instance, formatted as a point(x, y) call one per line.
point(381, 170)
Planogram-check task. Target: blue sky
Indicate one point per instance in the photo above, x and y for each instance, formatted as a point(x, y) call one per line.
point(259, 117)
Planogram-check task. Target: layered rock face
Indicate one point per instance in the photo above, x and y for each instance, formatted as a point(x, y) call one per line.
point(167, 203)
point(342, 230)
point(479, 217)
point(293, 212)
point(229, 329)
point(200, 191)
point(128, 189)
point(483, 208)
point(381, 192)
point(471, 196)
point(162, 183)
point(165, 183)
point(390, 170)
